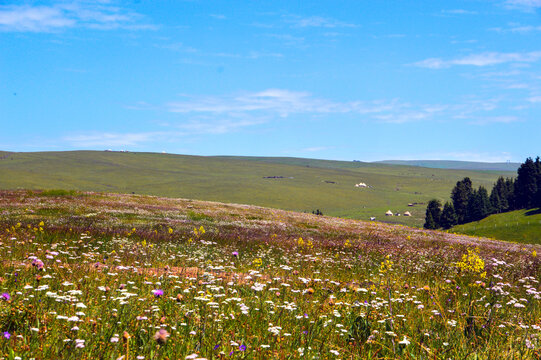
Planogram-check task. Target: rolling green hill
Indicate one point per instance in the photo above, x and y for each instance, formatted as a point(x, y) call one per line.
point(520, 226)
point(456, 165)
point(285, 183)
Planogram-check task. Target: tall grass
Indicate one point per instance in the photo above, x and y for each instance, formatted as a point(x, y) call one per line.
point(167, 286)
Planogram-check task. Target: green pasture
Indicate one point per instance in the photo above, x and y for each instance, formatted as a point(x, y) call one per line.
point(522, 226)
point(299, 184)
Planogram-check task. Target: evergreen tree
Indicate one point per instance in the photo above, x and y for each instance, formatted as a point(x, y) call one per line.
point(429, 221)
point(526, 184)
point(433, 214)
point(471, 208)
point(510, 192)
point(485, 207)
point(496, 198)
point(448, 216)
point(537, 197)
point(460, 195)
point(501, 195)
point(478, 205)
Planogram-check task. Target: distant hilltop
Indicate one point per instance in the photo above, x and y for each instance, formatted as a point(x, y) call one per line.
point(455, 165)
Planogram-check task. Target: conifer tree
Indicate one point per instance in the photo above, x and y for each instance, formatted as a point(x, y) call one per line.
point(536, 202)
point(433, 215)
point(510, 193)
point(478, 205)
point(460, 195)
point(501, 195)
point(448, 216)
point(526, 184)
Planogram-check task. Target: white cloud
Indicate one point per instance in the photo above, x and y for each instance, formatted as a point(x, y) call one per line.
point(112, 139)
point(517, 28)
point(283, 103)
point(62, 15)
point(316, 21)
point(247, 109)
point(524, 5)
point(315, 149)
point(487, 120)
point(220, 126)
point(482, 59)
point(525, 29)
point(218, 16)
point(288, 39)
point(535, 99)
point(459, 12)
point(279, 101)
point(38, 18)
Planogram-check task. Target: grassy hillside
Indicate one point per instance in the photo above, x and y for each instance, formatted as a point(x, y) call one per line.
point(456, 165)
point(107, 276)
point(521, 226)
point(298, 184)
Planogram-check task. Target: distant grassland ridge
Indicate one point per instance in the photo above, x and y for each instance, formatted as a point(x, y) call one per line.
point(284, 183)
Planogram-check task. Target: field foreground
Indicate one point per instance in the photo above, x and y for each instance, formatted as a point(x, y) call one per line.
point(86, 275)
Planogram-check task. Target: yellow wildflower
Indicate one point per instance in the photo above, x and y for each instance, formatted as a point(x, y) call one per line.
point(472, 263)
point(257, 262)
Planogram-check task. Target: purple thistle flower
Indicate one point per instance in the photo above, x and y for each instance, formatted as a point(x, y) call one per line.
point(38, 264)
point(5, 296)
point(7, 335)
point(157, 292)
point(235, 254)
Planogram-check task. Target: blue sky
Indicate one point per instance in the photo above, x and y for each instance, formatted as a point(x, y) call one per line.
point(366, 80)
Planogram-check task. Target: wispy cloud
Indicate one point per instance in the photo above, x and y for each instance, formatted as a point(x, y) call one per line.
point(525, 29)
point(315, 149)
point(260, 107)
point(250, 55)
point(482, 59)
point(535, 99)
point(524, 5)
point(279, 102)
point(288, 39)
point(458, 12)
point(96, 15)
point(487, 120)
point(316, 21)
point(517, 28)
point(218, 126)
point(218, 16)
point(112, 139)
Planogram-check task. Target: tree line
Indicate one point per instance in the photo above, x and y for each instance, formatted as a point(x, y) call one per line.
point(469, 204)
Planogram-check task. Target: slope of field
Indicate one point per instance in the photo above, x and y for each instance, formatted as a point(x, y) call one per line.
point(109, 276)
point(285, 183)
point(456, 165)
point(523, 226)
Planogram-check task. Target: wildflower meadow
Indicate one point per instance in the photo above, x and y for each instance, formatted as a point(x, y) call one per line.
point(88, 276)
